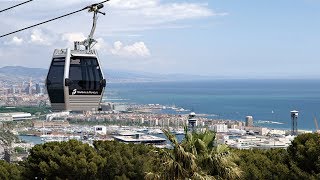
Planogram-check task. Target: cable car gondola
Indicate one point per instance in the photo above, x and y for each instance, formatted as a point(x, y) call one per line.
point(75, 79)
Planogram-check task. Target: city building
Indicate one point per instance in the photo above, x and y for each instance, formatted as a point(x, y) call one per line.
point(249, 121)
point(38, 88)
point(220, 128)
point(4, 91)
point(15, 116)
point(101, 130)
point(257, 130)
point(51, 124)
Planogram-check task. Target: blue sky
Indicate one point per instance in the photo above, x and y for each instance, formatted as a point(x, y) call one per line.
point(236, 39)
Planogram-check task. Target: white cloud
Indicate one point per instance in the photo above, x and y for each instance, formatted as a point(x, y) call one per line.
point(36, 37)
point(157, 11)
point(132, 4)
point(71, 37)
point(101, 45)
point(137, 15)
point(39, 38)
point(178, 11)
point(15, 41)
point(126, 21)
point(122, 15)
point(137, 49)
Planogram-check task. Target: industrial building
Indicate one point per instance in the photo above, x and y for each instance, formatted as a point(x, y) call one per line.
point(51, 124)
point(14, 116)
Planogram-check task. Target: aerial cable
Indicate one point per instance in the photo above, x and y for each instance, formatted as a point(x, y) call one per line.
point(42, 23)
point(74, 12)
point(15, 6)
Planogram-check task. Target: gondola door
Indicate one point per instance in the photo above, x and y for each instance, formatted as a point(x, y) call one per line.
point(54, 83)
point(55, 79)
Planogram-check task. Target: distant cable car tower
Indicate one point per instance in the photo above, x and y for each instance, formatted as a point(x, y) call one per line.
point(192, 121)
point(294, 120)
point(75, 81)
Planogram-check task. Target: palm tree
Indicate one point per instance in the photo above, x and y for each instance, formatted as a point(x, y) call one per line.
point(177, 163)
point(198, 142)
point(217, 161)
point(196, 157)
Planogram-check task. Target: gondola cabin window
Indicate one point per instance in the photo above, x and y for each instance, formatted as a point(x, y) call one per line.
point(55, 80)
point(85, 74)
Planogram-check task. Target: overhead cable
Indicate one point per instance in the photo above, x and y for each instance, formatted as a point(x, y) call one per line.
point(74, 12)
point(15, 6)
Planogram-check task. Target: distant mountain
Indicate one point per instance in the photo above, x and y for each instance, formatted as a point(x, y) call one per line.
point(23, 71)
point(121, 75)
point(13, 73)
point(19, 73)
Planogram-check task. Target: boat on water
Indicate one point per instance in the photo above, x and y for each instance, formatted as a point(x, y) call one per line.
point(154, 131)
point(182, 110)
point(141, 139)
point(177, 131)
point(58, 138)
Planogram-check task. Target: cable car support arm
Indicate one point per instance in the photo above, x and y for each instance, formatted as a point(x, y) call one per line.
point(90, 42)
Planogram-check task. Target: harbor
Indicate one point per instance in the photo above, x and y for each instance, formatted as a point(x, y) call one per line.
point(146, 128)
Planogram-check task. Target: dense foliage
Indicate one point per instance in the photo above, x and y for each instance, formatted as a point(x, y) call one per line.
point(75, 160)
point(305, 151)
point(194, 158)
point(29, 109)
point(9, 171)
point(6, 137)
point(66, 160)
point(299, 161)
point(262, 164)
point(126, 160)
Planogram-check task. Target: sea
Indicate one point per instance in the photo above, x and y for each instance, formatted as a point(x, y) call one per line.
point(268, 101)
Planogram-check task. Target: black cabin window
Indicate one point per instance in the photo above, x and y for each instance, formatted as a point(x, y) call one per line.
point(85, 73)
point(55, 81)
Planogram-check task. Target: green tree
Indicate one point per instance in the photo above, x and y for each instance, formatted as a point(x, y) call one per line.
point(9, 171)
point(299, 161)
point(6, 137)
point(19, 150)
point(64, 160)
point(129, 161)
point(263, 164)
point(305, 152)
